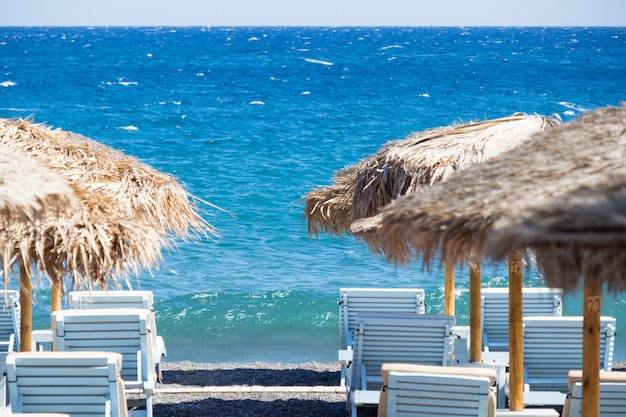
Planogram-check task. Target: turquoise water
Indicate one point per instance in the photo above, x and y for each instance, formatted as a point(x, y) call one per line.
point(250, 119)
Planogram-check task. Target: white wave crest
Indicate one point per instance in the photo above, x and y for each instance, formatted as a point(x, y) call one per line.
point(8, 83)
point(572, 106)
point(257, 103)
point(127, 83)
point(129, 128)
point(317, 61)
point(391, 46)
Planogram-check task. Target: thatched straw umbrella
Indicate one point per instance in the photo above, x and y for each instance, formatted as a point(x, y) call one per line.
point(130, 211)
point(458, 217)
point(580, 234)
point(407, 166)
point(29, 192)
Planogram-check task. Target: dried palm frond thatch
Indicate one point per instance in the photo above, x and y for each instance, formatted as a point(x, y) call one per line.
point(127, 213)
point(406, 166)
point(94, 245)
point(138, 188)
point(457, 217)
point(128, 210)
point(584, 229)
point(29, 192)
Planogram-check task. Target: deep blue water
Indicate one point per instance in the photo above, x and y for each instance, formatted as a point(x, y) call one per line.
point(250, 119)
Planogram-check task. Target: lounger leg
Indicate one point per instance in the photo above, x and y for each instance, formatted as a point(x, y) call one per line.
point(149, 405)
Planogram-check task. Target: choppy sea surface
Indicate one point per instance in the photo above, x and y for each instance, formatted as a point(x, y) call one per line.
point(252, 118)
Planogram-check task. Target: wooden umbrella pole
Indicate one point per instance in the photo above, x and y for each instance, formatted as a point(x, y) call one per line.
point(55, 294)
point(591, 345)
point(516, 347)
point(448, 296)
point(26, 310)
point(476, 328)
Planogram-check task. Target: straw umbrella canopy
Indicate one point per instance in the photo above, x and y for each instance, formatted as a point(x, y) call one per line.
point(454, 218)
point(458, 217)
point(580, 234)
point(407, 166)
point(129, 210)
point(29, 192)
point(137, 188)
point(584, 230)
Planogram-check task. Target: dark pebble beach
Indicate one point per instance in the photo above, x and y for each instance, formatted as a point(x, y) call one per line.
point(173, 397)
point(255, 389)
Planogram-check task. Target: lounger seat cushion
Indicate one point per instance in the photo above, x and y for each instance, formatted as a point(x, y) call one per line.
point(576, 375)
point(475, 371)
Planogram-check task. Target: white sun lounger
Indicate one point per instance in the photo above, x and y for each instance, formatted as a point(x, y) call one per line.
point(612, 394)
point(553, 347)
point(450, 391)
point(353, 301)
point(394, 338)
point(122, 299)
point(9, 320)
point(71, 383)
point(122, 330)
point(495, 311)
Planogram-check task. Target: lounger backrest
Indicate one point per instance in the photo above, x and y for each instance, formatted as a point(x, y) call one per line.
point(353, 301)
point(121, 299)
point(430, 394)
point(122, 330)
point(111, 299)
point(486, 373)
point(612, 394)
point(81, 384)
point(10, 317)
point(495, 310)
point(553, 346)
point(401, 338)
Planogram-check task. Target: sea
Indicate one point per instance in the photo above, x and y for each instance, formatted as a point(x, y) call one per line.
point(250, 119)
